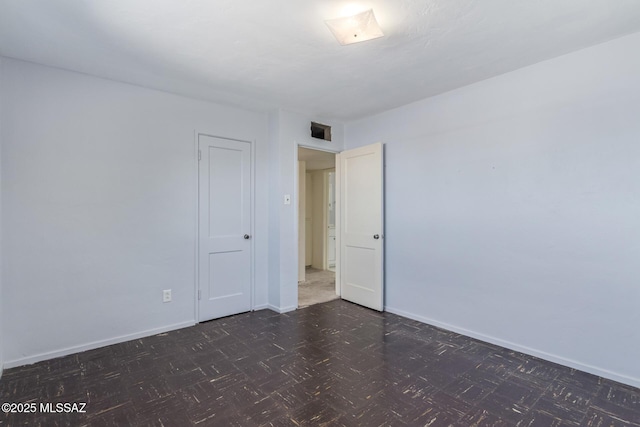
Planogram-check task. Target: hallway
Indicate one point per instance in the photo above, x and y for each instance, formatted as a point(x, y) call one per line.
point(319, 286)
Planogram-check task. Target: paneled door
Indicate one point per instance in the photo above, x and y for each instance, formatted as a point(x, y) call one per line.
point(224, 227)
point(361, 226)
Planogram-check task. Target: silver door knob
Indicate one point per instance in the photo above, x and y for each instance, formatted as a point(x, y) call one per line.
point(246, 237)
point(376, 236)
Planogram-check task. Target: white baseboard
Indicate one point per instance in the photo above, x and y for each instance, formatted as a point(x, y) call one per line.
point(282, 310)
point(94, 344)
point(604, 373)
point(260, 307)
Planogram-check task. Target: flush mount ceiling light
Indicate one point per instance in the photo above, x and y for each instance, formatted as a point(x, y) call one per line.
point(356, 28)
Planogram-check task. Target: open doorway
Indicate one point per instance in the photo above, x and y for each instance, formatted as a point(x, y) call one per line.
point(317, 227)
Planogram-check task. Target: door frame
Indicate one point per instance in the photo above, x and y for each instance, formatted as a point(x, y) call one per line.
point(296, 189)
point(252, 208)
point(325, 201)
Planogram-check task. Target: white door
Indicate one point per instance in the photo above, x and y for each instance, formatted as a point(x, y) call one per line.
point(361, 226)
point(224, 194)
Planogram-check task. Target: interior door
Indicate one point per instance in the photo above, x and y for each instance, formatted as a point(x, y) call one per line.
point(224, 245)
point(361, 226)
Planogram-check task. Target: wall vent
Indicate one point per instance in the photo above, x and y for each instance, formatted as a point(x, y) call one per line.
point(320, 131)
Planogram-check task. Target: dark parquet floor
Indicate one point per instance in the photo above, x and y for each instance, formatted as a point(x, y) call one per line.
point(333, 364)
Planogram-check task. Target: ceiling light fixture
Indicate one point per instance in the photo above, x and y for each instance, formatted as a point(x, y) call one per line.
point(356, 28)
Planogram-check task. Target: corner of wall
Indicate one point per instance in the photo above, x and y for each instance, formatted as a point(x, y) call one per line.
point(64, 98)
point(512, 234)
point(273, 293)
point(1, 299)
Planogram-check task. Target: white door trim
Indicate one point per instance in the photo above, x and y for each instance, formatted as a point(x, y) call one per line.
point(296, 191)
point(338, 207)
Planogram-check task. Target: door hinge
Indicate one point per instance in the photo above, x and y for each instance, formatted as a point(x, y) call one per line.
point(199, 294)
point(199, 155)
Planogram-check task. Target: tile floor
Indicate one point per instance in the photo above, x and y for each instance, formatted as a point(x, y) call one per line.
point(334, 364)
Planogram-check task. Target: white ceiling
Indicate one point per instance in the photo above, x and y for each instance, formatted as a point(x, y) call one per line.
point(279, 53)
point(316, 159)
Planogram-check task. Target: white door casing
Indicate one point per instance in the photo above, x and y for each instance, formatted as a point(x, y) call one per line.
point(224, 227)
point(302, 207)
point(330, 179)
point(361, 248)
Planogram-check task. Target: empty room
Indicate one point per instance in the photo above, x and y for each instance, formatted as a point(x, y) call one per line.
point(463, 175)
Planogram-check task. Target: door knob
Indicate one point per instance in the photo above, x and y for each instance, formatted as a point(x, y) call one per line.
point(246, 237)
point(376, 236)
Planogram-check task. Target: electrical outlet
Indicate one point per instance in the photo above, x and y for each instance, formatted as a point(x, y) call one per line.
point(166, 295)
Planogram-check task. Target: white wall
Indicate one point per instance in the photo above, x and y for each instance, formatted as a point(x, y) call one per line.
point(287, 130)
point(2, 302)
point(275, 202)
point(513, 208)
point(99, 189)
